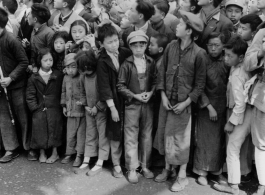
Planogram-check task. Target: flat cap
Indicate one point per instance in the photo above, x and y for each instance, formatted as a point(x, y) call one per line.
point(69, 59)
point(194, 21)
point(238, 3)
point(137, 36)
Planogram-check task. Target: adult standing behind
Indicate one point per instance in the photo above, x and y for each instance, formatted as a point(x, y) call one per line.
point(54, 12)
point(139, 15)
point(261, 6)
point(81, 11)
point(213, 19)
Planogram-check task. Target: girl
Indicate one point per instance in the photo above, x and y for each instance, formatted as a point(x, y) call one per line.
point(209, 154)
point(58, 42)
point(43, 98)
point(97, 143)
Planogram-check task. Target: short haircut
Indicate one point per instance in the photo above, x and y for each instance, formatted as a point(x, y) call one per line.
point(194, 33)
point(86, 60)
point(223, 36)
point(42, 52)
point(106, 30)
point(11, 5)
point(162, 40)
point(146, 8)
point(70, 3)
point(3, 18)
point(41, 12)
point(193, 3)
point(216, 3)
point(252, 19)
point(237, 44)
point(161, 5)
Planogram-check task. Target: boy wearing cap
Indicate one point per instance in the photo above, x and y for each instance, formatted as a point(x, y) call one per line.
point(136, 83)
point(234, 11)
point(181, 81)
point(73, 102)
point(42, 34)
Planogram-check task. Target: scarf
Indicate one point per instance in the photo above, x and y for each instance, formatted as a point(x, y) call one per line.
point(206, 17)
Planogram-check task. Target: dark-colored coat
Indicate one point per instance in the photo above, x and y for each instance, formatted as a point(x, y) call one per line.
point(44, 102)
point(13, 60)
point(150, 32)
point(107, 79)
point(161, 28)
point(128, 83)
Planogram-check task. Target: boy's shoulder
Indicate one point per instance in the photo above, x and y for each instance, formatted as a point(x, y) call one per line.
point(240, 72)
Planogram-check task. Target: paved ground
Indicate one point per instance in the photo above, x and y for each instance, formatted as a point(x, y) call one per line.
point(22, 177)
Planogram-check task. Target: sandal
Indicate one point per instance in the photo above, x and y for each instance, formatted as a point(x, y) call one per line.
point(93, 173)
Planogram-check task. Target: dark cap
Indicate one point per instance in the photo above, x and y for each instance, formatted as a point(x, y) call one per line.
point(194, 21)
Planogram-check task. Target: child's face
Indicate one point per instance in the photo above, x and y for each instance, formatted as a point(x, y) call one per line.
point(71, 69)
point(232, 59)
point(78, 32)
point(261, 4)
point(234, 13)
point(153, 47)
point(58, 4)
point(111, 43)
point(215, 47)
point(252, 7)
point(181, 30)
point(138, 48)
point(158, 16)
point(184, 5)
point(125, 23)
point(46, 62)
point(86, 46)
point(245, 31)
point(59, 45)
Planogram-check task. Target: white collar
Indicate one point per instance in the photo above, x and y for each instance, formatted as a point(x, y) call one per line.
point(217, 16)
point(41, 72)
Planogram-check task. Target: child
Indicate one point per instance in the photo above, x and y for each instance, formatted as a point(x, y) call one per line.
point(136, 83)
point(63, 21)
point(157, 20)
point(109, 62)
point(238, 125)
point(97, 143)
point(13, 64)
point(42, 34)
point(73, 103)
point(209, 153)
point(11, 6)
point(43, 98)
point(234, 11)
point(248, 27)
point(181, 81)
point(58, 42)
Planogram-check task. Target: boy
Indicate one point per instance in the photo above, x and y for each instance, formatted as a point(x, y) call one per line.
point(234, 11)
point(157, 20)
point(13, 64)
point(136, 83)
point(248, 27)
point(63, 21)
point(11, 6)
point(181, 80)
point(109, 62)
point(238, 125)
point(42, 34)
point(73, 102)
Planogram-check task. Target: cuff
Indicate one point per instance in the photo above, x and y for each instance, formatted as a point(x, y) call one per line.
point(110, 103)
point(236, 118)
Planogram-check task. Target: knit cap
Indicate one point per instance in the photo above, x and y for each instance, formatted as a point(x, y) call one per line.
point(69, 59)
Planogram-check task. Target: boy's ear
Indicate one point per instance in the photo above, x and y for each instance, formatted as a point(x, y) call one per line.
point(160, 49)
point(141, 16)
point(192, 8)
point(65, 4)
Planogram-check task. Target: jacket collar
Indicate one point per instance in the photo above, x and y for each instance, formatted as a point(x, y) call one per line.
point(38, 77)
point(131, 59)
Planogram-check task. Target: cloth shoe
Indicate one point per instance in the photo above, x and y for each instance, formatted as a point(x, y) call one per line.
point(202, 180)
point(179, 184)
point(148, 174)
point(163, 176)
point(117, 174)
point(220, 179)
point(67, 159)
point(93, 173)
point(132, 177)
point(246, 178)
point(32, 155)
point(78, 161)
point(226, 189)
point(9, 157)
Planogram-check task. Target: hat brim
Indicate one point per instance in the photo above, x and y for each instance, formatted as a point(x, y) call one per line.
point(240, 6)
point(137, 39)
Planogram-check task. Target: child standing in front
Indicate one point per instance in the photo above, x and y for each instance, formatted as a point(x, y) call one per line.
point(73, 103)
point(109, 63)
point(136, 83)
point(97, 143)
point(43, 98)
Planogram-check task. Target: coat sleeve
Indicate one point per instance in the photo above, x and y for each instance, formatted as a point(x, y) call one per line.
point(122, 83)
point(31, 96)
point(63, 96)
point(21, 57)
point(200, 76)
point(83, 99)
point(162, 71)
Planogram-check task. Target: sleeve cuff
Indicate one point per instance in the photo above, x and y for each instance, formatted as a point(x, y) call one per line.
point(110, 103)
point(236, 119)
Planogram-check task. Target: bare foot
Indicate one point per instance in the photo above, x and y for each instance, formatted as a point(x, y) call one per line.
point(52, 159)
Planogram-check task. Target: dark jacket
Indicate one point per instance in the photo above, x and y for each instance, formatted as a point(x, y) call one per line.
point(13, 60)
point(44, 102)
point(128, 83)
point(223, 25)
point(107, 78)
point(190, 72)
point(161, 28)
point(150, 32)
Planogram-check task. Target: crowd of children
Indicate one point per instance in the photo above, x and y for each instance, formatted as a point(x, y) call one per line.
point(136, 80)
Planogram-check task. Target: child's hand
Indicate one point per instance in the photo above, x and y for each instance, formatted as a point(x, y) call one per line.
point(64, 111)
point(79, 103)
point(25, 43)
point(114, 114)
point(94, 111)
point(146, 96)
point(91, 40)
point(229, 127)
point(212, 113)
point(68, 45)
point(30, 68)
point(179, 107)
point(165, 101)
point(139, 96)
point(5, 82)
